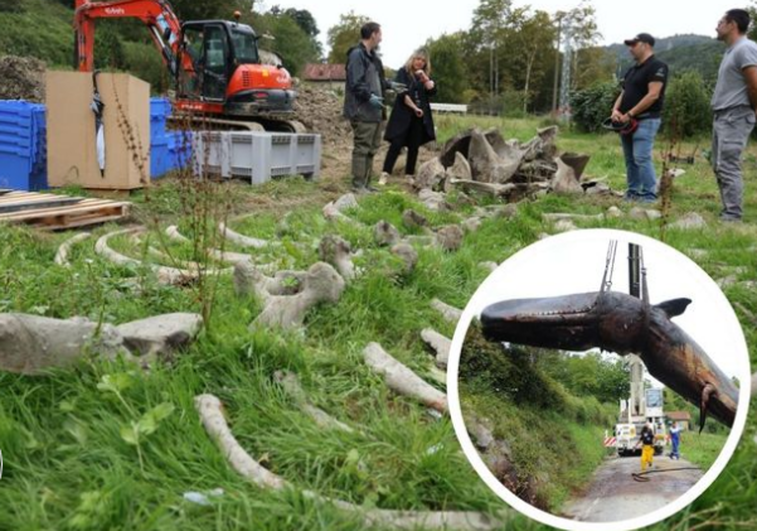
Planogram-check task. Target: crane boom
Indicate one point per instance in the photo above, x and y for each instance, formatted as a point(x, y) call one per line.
point(157, 15)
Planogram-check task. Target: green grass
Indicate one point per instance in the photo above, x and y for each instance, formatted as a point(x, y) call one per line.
point(702, 448)
point(557, 452)
point(42, 30)
point(68, 467)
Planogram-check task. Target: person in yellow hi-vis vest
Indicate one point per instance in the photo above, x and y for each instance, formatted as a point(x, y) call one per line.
point(646, 439)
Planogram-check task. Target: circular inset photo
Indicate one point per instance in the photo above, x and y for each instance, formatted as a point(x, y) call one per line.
point(599, 379)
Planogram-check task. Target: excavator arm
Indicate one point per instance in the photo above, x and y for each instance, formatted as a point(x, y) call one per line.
point(157, 15)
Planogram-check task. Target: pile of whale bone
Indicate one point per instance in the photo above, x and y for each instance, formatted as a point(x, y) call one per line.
point(482, 161)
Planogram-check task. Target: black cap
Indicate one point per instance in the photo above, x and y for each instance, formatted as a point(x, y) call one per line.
point(641, 37)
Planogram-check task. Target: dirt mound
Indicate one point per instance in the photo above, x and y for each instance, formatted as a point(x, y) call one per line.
point(320, 110)
point(22, 78)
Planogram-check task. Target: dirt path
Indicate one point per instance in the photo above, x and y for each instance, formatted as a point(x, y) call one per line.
point(613, 494)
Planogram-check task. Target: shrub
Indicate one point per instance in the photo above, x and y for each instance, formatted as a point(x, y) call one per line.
point(512, 103)
point(509, 371)
point(687, 106)
point(592, 106)
point(11, 6)
point(109, 49)
point(145, 62)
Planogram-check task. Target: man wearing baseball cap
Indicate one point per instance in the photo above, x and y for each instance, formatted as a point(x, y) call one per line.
point(734, 104)
point(640, 105)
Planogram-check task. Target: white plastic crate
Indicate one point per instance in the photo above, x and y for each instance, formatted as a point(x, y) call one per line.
point(258, 156)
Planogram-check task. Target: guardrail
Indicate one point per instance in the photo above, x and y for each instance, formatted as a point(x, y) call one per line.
point(449, 107)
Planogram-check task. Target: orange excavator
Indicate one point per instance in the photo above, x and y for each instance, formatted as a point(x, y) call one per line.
point(215, 65)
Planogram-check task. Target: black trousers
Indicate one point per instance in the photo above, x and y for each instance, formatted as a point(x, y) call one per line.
point(412, 140)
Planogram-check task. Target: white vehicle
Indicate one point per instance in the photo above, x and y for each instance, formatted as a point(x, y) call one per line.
point(632, 420)
point(644, 405)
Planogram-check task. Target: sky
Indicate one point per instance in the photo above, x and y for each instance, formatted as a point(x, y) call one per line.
point(575, 262)
point(406, 25)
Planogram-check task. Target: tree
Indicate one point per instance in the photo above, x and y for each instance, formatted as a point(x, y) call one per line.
point(752, 10)
point(589, 375)
point(304, 19)
point(592, 65)
point(585, 36)
point(344, 36)
point(295, 47)
point(449, 70)
point(515, 47)
point(534, 36)
point(204, 9)
point(687, 106)
point(109, 51)
point(490, 19)
point(592, 106)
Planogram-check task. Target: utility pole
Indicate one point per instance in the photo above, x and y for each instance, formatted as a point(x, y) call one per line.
point(491, 74)
point(566, 73)
point(558, 16)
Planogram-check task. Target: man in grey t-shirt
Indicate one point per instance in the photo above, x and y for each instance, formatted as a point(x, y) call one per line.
point(734, 104)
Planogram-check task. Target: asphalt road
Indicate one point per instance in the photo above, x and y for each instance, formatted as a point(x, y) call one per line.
point(614, 495)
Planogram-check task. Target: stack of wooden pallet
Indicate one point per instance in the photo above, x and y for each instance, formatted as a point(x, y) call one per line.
point(56, 212)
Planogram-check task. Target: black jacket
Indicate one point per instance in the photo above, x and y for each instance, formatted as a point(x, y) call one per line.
point(402, 115)
point(365, 76)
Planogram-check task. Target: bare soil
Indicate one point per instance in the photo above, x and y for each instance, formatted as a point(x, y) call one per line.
point(22, 78)
point(320, 109)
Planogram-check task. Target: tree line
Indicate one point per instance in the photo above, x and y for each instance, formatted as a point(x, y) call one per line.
point(543, 378)
point(507, 60)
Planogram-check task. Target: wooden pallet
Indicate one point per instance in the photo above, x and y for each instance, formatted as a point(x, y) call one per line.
point(56, 212)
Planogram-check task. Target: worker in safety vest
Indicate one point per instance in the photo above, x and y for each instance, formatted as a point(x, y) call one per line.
point(646, 439)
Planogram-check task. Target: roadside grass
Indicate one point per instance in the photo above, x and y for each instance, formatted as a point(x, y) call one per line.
point(702, 448)
point(560, 453)
point(67, 465)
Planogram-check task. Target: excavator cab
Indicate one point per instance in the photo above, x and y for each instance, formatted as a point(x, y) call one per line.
point(207, 60)
point(219, 63)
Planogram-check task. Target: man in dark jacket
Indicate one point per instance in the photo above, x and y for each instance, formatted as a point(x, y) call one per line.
point(364, 104)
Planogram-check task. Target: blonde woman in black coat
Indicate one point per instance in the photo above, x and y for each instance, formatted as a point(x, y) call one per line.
point(411, 124)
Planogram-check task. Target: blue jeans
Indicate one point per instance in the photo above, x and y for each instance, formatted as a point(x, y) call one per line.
point(637, 149)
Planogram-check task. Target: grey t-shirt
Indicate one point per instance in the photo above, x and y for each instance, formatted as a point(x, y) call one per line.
point(731, 89)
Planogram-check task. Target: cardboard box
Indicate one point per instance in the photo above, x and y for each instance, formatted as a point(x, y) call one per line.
point(71, 144)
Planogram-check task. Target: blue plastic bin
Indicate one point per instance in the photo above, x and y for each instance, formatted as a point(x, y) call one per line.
point(23, 145)
point(159, 160)
point(160, 110)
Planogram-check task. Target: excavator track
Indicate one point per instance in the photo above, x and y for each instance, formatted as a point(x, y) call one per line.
point(198, 121)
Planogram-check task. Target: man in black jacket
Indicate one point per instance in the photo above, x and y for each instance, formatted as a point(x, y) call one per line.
point(364, 104)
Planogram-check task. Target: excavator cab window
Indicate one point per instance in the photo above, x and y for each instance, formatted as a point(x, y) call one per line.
point(245, 45)
point(192, 62)
point(217, 56)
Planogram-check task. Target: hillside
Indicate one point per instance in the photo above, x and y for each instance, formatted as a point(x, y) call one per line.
point(120, 44)
point(26, 33)
point(680, 52)
point(550, 427)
